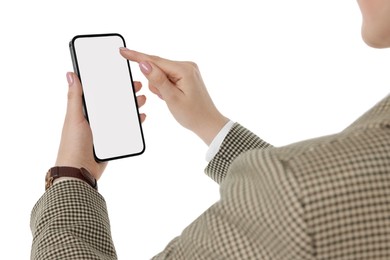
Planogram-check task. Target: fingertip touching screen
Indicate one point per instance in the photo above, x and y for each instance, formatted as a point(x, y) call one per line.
point(109, 97)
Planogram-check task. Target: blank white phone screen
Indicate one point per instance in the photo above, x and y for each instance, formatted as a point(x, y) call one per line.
point(109, 96)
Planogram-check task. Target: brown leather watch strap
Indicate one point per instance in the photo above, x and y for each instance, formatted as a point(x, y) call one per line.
point(64, 171)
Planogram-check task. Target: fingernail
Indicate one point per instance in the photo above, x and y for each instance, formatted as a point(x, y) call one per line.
point(145, 67)
point(123, 49)
point(69, 78)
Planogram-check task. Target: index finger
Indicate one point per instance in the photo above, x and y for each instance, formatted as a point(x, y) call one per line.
point(168, 66)
point(134, 55)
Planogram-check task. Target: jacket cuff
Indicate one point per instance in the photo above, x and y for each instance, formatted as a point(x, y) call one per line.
point(238, 140)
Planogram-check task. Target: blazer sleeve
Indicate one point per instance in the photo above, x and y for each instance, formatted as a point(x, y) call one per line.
point(238, 140)
point(258, 216)
point(70, 221)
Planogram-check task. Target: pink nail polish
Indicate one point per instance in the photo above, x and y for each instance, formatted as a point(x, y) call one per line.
point(145, 67)
point(69, 78)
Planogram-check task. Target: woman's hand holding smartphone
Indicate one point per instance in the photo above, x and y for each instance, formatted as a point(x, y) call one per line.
point(76, 147)
point(77, 140)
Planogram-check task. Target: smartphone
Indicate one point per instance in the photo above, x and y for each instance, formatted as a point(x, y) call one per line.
point(110, 102)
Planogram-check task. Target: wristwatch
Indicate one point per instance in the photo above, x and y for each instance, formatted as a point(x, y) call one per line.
point(64, 171)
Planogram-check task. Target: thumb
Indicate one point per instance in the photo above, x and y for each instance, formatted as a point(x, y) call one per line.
point(75, 97)
point(160, 80)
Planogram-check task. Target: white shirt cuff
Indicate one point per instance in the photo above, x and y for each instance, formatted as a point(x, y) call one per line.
point(216, 143)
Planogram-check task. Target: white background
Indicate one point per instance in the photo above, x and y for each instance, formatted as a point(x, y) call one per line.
point(287, 70)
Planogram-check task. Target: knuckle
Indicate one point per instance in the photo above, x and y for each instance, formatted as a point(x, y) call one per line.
point(191, 68)
point(190, 65)
point(193, 65)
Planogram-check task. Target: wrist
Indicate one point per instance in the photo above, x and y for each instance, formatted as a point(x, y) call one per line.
point(215, 145)
point(211, 128)
point(61, 173)
point(94, 168)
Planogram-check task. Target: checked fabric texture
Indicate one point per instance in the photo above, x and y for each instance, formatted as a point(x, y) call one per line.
point(325, 198)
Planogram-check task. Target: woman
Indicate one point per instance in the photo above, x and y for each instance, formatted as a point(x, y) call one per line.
point(326, 198)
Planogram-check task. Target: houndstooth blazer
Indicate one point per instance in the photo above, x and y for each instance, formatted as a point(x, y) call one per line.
point(326, 198)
